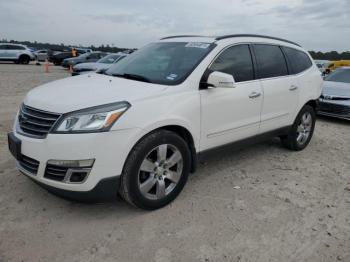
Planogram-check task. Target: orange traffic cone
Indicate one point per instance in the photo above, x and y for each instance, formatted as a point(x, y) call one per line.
point(46, 66)
point(70, 69)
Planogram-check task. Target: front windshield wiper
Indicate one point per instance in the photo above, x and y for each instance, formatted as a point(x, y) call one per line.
point(133, 77)
point(102, 71)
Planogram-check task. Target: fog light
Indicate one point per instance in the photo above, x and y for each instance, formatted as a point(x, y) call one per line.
point(78, 176)
point(72, 163)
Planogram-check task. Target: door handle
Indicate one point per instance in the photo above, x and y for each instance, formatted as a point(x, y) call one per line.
point(293, 88)
point(254, 95)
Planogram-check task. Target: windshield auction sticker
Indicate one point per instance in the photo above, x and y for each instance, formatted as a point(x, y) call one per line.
point(197, 45)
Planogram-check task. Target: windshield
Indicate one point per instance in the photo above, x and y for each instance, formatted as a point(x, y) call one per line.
point(340, 75)
point(109, 59)
point(167, 63)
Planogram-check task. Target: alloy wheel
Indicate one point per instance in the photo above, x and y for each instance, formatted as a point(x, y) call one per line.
point(160, 172)
point(304, 128)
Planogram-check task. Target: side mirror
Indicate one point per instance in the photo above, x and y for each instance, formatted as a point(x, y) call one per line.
point(220, 80)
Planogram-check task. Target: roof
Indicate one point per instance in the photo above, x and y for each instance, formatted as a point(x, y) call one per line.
point(217, 38)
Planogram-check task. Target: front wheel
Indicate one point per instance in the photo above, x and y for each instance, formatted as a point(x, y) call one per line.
point(302, 130)
point(156, 170)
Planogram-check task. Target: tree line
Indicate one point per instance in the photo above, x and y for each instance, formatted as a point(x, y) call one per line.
point(332, 55)
point(62, 47)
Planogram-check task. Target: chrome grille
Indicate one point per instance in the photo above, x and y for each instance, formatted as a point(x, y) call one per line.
point(34, 122)
point(29, 164)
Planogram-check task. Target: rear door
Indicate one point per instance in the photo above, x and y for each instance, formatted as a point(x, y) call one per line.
point(231, 114)
point(280, 89)
point(13, 51)
point(299, 65)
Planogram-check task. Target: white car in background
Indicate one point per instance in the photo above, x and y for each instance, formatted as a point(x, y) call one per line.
point(138, 128)
point(41, 55)
point(103, 64)
point(335, 98)
point(20, 54)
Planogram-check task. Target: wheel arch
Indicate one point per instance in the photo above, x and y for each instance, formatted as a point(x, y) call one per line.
point(23, 55)
point(187, 136)
point(313, 103)
point(180, 130)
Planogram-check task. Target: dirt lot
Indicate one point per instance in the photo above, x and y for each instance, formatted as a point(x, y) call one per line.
point(289, 206)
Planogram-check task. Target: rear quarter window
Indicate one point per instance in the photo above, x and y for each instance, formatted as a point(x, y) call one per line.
point(298, 60)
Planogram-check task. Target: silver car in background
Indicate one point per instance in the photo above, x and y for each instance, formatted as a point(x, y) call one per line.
point(103, 64)
point(20, 54)
point(335, 98)
point(41, 55)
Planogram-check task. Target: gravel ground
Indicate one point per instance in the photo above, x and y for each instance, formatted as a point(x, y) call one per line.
point(261, 203)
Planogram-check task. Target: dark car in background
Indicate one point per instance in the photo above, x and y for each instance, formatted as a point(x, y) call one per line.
point(335, 98)
point(102, 64)
point(57, 57)
point(87, 57)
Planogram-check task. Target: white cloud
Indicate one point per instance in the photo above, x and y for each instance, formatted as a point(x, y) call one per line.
point(313, 23)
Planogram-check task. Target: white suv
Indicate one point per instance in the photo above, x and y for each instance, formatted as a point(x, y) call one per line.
point(20, 54)
point(138, 127)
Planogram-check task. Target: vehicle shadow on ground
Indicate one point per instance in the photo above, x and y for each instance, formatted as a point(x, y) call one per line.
point(333, 120)
point(219, 157)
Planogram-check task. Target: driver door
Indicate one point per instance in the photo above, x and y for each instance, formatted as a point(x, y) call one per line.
point(231, 114)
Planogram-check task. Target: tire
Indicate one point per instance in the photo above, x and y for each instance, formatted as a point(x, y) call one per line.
point(150, 179)
point(24, 59)
point(301, 132)
point(56, 63)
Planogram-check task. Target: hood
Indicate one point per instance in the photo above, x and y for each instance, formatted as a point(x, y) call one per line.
point(336, 89)
point(79, 92)
point(92, 66)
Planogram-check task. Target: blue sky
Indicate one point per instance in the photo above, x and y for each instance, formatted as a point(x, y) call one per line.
point(316, 24)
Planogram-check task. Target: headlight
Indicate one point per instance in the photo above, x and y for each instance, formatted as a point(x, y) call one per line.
point(94, 119)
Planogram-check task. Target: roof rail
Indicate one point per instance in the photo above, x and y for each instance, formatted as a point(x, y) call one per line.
point(252, 35)
point(177, 36)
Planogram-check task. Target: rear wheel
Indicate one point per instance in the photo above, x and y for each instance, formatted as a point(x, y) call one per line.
point(302, 130)
point(156, 170)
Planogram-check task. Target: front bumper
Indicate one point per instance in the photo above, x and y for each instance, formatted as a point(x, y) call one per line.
point(109, 149)
point(334, 108)
point(105, 190)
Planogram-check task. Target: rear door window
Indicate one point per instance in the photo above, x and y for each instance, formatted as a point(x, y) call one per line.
point(236, 61)
point(298, 60)
point(15, 47)
point(270, 60)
